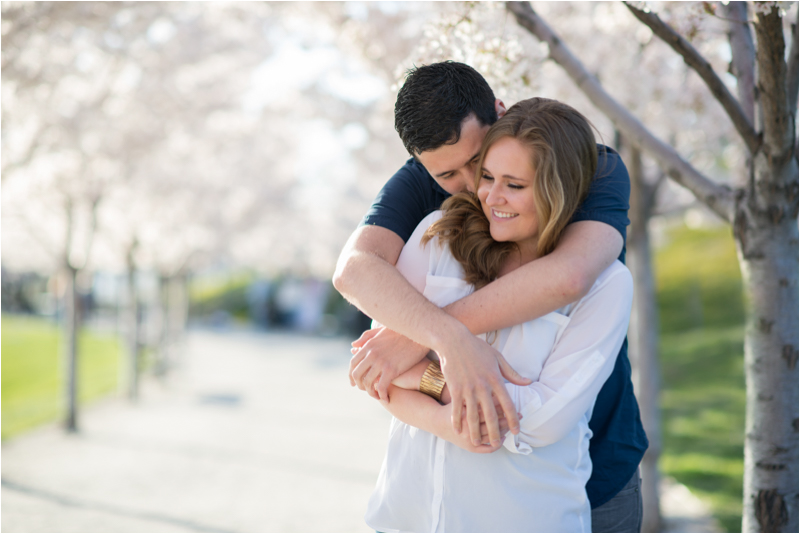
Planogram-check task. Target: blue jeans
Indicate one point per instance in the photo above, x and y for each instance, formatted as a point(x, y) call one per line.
point(623, 513)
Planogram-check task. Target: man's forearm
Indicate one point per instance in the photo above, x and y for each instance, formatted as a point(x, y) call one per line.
point(544, 285)
point(378, 289)
point(513, 299)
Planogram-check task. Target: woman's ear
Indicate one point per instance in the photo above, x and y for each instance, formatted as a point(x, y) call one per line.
point(499, 107)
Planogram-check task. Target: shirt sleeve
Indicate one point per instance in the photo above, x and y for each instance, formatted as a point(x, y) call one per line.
point(403, 202)
point(580, 362)
point(609, 193)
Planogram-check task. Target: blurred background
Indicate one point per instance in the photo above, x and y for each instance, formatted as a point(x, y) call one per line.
point(177, 182)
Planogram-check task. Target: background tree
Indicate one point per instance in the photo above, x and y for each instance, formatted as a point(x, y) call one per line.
point(239, 136)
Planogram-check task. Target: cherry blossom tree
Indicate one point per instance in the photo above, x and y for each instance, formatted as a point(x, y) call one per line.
point(169, 137)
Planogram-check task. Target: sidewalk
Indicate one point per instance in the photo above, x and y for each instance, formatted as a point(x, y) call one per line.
point(254, 433)
point(257, 432)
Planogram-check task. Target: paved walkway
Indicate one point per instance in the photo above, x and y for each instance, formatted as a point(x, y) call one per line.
point(254, 433)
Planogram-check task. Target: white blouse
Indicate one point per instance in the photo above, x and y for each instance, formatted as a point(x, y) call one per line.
point(536, 481)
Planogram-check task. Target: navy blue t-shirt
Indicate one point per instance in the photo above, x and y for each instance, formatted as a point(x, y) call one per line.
point(618, 441)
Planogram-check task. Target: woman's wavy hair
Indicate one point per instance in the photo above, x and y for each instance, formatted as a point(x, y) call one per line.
point(564, 159)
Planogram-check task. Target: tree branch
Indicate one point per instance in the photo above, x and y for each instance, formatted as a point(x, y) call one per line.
point(743, 52)
point(699, 64)
point(719, 198)
point(772, 86)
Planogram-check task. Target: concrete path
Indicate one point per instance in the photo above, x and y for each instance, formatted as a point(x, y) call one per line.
point(257, 432)
point(253, 433)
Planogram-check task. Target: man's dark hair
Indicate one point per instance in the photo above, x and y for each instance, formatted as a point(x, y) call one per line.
point(434, 101)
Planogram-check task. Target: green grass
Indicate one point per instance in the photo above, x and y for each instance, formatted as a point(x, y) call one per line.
point(703, 393)
point(33, 371)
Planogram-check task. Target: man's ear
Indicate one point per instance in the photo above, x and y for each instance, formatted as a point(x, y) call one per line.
point(499, 107)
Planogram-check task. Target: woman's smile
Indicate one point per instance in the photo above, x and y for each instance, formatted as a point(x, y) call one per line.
point(502, 215)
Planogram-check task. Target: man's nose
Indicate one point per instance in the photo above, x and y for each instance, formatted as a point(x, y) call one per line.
point(468, 180)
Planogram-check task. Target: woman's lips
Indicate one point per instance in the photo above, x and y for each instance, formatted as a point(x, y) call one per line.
point(502, 216)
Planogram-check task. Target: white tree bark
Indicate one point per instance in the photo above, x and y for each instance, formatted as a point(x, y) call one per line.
point(764, 218)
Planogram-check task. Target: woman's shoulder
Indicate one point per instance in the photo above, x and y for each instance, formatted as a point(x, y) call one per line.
point(616, 278)
point(429, 219)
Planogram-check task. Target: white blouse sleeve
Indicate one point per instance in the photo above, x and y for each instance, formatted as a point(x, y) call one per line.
point(580, 362)
point(414, 259)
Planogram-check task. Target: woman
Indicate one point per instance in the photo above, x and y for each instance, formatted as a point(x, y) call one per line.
point(534, 170)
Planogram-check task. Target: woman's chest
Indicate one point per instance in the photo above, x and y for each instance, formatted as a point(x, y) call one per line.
point(526, 347)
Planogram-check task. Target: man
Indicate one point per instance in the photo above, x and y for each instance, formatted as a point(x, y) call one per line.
point(442, 114)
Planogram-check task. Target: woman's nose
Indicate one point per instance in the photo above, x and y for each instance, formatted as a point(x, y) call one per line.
point(493, 198)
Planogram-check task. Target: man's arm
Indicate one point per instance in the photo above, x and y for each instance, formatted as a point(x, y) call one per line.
point(367, 277)
point(566, 275)
point(529, 292)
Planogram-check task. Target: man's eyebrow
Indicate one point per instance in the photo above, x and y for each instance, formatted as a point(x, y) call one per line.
point(445, 173)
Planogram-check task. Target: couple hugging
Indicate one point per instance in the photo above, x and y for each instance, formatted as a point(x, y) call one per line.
point(493, 260)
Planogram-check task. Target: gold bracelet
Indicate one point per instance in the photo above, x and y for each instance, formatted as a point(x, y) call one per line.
point(432, 383)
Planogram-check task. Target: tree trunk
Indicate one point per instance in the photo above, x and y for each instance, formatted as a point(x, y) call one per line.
point(161, 320)
point(643, 334)
point(133, 324)
point(71, 328)
point(766, 232)
point(179, 313)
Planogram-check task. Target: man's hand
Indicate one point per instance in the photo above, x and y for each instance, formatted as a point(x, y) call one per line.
point(379, 356)
point(464, 441)
point(474, 374)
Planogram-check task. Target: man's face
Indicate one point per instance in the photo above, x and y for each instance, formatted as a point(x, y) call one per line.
point(453, 166)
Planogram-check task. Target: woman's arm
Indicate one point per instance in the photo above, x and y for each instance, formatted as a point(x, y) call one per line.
point(424, 412)
point(578, 365)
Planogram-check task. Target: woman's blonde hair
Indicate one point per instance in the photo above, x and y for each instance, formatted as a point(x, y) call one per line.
point(564, 159)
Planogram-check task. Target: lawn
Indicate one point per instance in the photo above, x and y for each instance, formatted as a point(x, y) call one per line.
point(33, 371)
point(703, 397)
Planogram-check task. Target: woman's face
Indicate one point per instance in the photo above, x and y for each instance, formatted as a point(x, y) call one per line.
point(506, 194)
